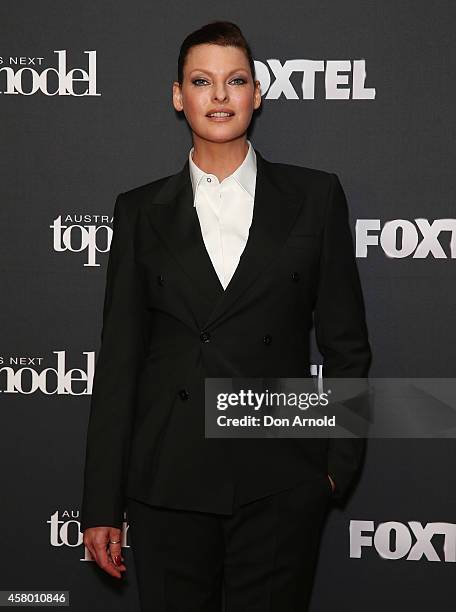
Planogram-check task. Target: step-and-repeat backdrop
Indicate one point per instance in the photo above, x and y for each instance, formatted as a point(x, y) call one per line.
point(363, 89)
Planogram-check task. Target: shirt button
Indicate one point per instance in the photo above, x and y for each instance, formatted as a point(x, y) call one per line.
point(183, 394)
point(208, 179)
point(295, 276)
point(205, 336)
point(160, 280)
point(267, 339)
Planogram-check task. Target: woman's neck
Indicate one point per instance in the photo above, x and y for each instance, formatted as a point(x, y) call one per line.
point(219, 158)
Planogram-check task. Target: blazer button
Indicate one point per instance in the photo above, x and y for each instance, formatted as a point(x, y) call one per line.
point(160, 280)
point(183, 394)
point(295, 276)
point(205, 336)
point(267, 339)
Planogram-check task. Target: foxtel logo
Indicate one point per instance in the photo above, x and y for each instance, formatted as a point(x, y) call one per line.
point(411, 541)
point(343, 79)
point(401, 238)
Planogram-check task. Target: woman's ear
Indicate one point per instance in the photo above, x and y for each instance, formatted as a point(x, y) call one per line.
point(177, 96)
point(257, 95)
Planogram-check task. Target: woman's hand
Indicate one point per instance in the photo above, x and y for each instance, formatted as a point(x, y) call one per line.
point(107, 556)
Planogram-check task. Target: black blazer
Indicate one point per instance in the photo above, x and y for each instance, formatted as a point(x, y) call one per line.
point(168, 323)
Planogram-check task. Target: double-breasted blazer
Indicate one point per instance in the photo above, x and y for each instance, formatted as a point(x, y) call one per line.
point(168, 323)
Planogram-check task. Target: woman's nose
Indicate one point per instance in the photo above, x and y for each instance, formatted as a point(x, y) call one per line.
point(220, 93)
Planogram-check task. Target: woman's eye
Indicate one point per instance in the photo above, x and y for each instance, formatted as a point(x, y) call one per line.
point(240, 80)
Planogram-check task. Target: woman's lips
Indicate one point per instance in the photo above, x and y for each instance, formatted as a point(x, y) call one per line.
point(220, 118)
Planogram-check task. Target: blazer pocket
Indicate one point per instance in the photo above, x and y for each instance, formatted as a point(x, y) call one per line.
point(302, 240)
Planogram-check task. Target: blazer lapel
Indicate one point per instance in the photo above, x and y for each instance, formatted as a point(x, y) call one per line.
point(174, 217)
point(274, 214)
point(176, 221)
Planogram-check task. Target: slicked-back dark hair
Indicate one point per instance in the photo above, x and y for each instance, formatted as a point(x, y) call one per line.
point(224, 33)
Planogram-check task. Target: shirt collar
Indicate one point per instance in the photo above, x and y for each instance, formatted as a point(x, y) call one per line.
point(245, 174)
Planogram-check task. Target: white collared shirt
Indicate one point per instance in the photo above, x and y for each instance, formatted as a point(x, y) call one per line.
point(225, 212)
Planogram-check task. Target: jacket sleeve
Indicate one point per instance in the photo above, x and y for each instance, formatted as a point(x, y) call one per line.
point(340, 326)
point(123, 345)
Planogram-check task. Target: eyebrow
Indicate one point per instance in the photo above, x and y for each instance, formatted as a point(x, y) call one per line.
point(209, 72)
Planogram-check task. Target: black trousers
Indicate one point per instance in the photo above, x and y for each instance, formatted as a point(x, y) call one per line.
point(259, 559)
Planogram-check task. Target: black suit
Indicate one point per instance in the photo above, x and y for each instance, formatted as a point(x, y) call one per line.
point(168, 324)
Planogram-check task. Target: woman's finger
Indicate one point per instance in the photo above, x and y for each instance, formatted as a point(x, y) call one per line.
point(115, 550)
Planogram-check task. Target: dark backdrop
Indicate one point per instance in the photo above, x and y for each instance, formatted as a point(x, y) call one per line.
point(63, 160)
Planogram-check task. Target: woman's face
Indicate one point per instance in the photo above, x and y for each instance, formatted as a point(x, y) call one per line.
point(216, 78)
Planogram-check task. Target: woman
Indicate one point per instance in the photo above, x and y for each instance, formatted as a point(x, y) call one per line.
point(215, 272)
